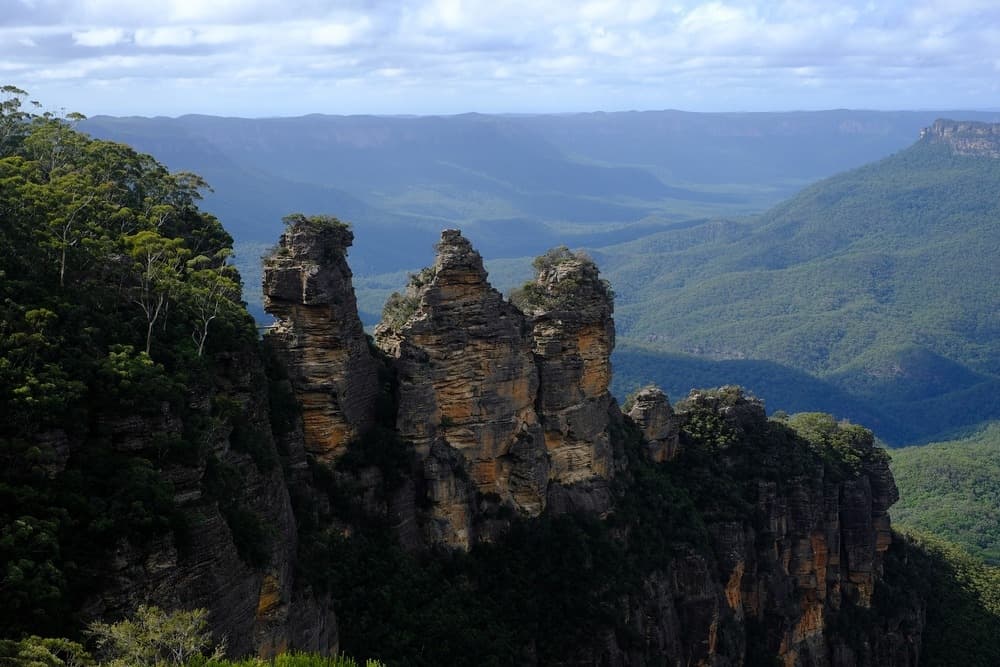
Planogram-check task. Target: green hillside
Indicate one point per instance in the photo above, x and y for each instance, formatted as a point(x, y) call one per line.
point(881, 281)
point(116, 303)
point(952, 489)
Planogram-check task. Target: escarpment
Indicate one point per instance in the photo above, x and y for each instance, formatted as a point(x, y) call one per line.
point(233, 545)
point(507, 408)
point(332, 472)
point(318, 334)
point(467, 392)
point(807, 551)
point(504, 409)
point(969, 138)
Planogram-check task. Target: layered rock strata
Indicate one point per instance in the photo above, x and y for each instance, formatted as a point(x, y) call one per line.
point(968, 138)
point(652, 413)
point(810, 552)
point(507, 409)
point(318, 334)
point(467, 391)
point(569, 311)
point(258, 608)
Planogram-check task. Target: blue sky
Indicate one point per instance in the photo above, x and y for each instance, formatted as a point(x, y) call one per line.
point(292, 57)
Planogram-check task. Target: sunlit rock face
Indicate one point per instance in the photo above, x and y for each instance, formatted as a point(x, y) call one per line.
point(968, 138)
point(318, 334)
point(569, 310)
point(507, 407)
point(467, 392)
point(809, 551)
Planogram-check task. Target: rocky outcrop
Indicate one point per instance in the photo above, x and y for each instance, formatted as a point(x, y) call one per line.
point(811, 552)
point(509, 409)
point(505, 409)
point(569, 311)
point(467, 391)
point(970, 138)
point(652, 413)
point(318, 334)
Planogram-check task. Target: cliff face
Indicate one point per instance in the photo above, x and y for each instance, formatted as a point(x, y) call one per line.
point(504, 410)
point(785, 579)
point(245, 581)
point(510, 408)
point(778, 556)
point(319, 336)
point(572, 334)
point(965, 137)
point(652, 413)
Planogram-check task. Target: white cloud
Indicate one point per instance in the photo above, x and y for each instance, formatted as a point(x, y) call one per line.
point(166, 36)
point(629, 53)
point(98, 37)
point(337, 34)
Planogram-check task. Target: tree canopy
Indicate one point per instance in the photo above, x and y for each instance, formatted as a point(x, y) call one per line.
point(114, 290)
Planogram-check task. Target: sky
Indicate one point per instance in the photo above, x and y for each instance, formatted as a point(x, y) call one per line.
point(292, 57)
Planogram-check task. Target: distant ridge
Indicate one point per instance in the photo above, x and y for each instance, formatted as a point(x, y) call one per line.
point(969, 138)
point(881, 281)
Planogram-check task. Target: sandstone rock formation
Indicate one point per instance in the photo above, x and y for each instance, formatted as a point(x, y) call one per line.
point(510, 409)
point(652, 413)
point(318, 334)
point(467, 391)
point(965, 137)
point(569, 310)
point(259, 608)
point(811, 550)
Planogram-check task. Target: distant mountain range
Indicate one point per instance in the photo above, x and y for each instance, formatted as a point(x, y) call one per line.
point(870, 295)
point(516, 185)
point(880, 283)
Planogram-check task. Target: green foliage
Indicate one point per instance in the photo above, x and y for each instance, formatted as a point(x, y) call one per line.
point(551, 259)
point(728, 446)
point(314, 221)
point(839, 443)
point(484, 608)
point(246, 437)
point(398, 309)
point(381, 448)
point(43, 652)
point(549, 292)
point(871, 282)
point(952, 490)
point(108, 272)
point(251, 533)
point(962, 597)
point(155, 638)
point(292, 659)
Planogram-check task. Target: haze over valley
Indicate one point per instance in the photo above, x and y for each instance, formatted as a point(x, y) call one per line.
point(679, 211)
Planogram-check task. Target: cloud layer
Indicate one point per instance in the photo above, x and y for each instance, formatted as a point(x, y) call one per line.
point(277, 57)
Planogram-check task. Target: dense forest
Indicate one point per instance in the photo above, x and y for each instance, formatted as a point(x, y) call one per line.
point(872, 289)
point(952, 490)
point(115, 300)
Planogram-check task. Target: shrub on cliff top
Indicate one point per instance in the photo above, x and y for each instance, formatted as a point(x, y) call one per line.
point(314, 221)
point(546, 292)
